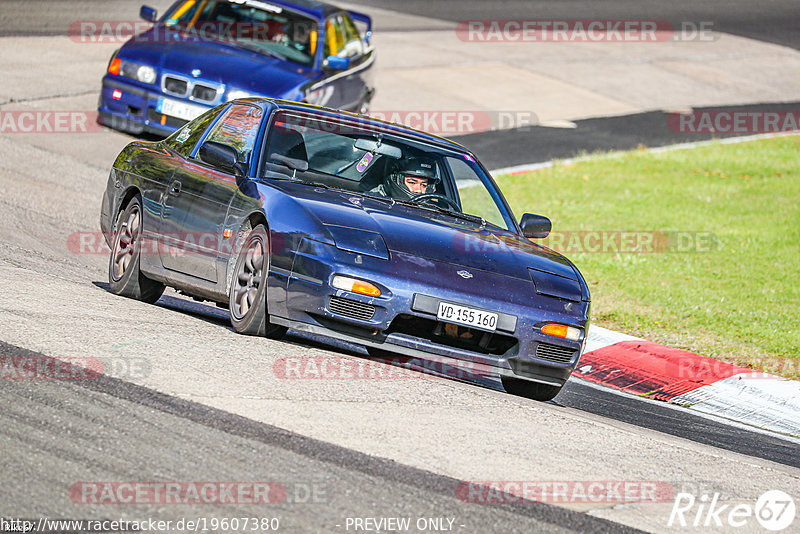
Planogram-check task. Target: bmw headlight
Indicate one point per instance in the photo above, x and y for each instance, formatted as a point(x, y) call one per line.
point(135, 71)
point(146, 74)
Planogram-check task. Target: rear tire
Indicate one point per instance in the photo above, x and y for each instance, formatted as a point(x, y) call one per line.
point(530, 389)
point(124, 276)
point(247, 302)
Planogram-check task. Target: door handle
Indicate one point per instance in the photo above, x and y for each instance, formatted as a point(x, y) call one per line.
point(175, 189)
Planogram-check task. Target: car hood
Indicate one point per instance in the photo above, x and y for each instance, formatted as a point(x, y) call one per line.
point(219, 62)
point(430, 235)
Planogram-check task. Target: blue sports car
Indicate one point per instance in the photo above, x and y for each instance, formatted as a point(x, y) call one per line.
point(296, 216)
point(202, 53)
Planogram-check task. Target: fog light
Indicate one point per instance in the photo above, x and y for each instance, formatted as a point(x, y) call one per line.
point(563, 331)
point(356, 286)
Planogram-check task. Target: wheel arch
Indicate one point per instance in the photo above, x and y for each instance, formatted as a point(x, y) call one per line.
point(248, 223)
point(129, 194)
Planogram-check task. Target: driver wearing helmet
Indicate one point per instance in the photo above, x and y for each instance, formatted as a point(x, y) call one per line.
point(410, 178)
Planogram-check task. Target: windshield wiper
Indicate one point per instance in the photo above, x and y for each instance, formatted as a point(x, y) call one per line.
point(457, 214)
point(379, 198)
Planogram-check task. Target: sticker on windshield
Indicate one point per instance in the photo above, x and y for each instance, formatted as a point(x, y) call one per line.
point(469, 158)
point(364, 163)
point(184, 135)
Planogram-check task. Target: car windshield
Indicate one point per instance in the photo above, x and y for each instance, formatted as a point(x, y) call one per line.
point(357, 157)
point(251, 24)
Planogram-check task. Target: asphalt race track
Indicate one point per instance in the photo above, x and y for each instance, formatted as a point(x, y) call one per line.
point(184, 399)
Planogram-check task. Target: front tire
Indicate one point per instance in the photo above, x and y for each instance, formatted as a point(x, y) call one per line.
point(247, 302)
point(124, 276)
point(530, 389)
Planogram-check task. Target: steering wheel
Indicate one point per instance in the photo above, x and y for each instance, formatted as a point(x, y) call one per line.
point(425, 197)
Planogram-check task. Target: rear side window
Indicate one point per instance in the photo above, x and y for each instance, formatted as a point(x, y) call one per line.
point(238, 128)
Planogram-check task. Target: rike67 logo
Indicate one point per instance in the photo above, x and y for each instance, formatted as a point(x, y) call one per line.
point(774, 510)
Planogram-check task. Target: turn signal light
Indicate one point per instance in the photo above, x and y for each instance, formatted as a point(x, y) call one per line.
point(114, 66)
point(562, 330)
point(356, 286)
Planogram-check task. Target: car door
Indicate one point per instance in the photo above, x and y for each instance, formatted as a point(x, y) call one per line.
point(201, 194)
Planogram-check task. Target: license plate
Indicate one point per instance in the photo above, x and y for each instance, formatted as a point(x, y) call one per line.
point(453, 313)
point(181, 110)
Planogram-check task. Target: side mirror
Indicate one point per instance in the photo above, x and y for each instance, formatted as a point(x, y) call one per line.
point(221, 156)
point(337, 63)
point(535, 226)
point(148, 13)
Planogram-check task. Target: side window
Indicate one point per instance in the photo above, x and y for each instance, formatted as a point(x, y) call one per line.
point(238, 128)
point(475, 199)
point(334, 38)
point(183, 140)
point(353, 45)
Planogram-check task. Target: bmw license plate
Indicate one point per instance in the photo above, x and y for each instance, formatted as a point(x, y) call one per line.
point(181, 110)
point(453, 313)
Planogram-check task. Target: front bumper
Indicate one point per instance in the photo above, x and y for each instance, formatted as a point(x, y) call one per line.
point(135, 109)
point(404, 321)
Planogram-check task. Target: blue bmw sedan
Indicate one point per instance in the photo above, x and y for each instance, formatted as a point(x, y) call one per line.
point(202, 53)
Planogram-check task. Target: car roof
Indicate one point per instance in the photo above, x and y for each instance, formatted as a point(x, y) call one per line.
point(388, 127)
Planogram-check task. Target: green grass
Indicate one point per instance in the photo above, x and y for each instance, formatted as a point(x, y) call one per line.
point(738, 302)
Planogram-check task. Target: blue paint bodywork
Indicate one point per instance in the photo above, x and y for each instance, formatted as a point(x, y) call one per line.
point(131, 105)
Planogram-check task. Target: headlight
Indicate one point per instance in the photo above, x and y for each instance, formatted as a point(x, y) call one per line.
point(135, 71)
point(146, 74)
point(233, 94)
point(359, 241)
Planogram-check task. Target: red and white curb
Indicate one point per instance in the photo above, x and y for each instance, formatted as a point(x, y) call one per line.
point(696, 382)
